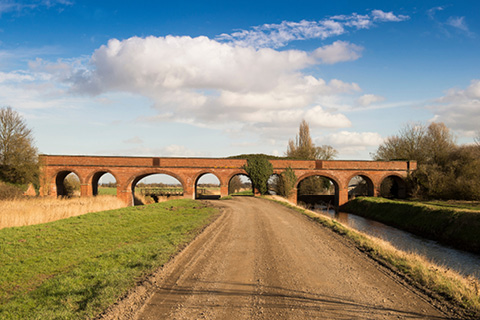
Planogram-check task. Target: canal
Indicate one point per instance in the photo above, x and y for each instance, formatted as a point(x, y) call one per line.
point(463, 262)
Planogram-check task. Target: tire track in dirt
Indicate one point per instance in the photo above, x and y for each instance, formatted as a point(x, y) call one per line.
point(261, 260)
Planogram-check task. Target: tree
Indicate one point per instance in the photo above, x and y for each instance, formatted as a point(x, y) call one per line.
point(286, 182)
point(417, 142)
point(259, 169)
point(235, 184)
point(303, 148)
point(18, 156)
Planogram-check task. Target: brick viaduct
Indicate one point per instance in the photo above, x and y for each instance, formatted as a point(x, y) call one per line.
point(130, 170)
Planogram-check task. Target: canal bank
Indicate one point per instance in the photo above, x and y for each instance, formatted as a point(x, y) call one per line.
point(453, 227)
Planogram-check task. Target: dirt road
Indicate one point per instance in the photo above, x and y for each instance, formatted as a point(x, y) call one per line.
point(261, 260)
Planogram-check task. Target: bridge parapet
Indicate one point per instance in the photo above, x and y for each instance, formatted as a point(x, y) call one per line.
point(129, 170)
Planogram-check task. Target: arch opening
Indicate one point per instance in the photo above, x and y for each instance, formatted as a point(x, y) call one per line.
point(360, 186)
point(274, 184)
point(67, 184)
point(207, 186)
point(104, 183)
point(393, 187)
point(240, 185)
point(156, 187)
point(317, 192)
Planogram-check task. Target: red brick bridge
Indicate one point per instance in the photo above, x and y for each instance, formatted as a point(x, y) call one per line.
point(128, 171)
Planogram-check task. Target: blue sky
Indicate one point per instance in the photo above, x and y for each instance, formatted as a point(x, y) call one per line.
point(220, 78)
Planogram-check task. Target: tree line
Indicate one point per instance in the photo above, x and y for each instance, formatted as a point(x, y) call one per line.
point(445, 169)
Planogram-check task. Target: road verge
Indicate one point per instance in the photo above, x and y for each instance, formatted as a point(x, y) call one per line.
point(453, 290)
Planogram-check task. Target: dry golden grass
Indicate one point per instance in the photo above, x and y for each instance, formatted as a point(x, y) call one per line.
point(29, 211)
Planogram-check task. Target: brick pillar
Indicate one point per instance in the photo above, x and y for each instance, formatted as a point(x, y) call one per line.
point(342, 196)
point(125, 195)
point(224, 190)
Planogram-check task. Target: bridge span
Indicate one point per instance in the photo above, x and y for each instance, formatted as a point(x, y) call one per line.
point(128, 171)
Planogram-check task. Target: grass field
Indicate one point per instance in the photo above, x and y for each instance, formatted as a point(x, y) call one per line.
point(469, 205)
point(107, 191)
point(75, 268)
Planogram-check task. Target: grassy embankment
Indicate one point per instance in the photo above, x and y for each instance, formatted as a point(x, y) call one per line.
point(77, 267)
point(454, 224)
point(441, 282)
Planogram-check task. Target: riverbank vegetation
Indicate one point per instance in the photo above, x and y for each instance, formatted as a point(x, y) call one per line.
point(445, 171)
point(449, 225)
point(441, 283)
point(75, 268)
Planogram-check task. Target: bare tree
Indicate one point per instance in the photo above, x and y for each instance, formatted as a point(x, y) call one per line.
point(304, 148)
point(418, 142)
point(18, 156)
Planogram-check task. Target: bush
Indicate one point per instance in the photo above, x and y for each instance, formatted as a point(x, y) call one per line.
point(9, 191)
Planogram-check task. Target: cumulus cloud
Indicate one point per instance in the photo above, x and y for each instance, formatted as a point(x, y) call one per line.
point(339, 51)
point(225, 82)
point(279, 35)
point(204, 82)
point(459, 109)
point(352, 143)
point(368, 99)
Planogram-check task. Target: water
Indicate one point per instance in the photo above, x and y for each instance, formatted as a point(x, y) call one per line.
point(462, 262)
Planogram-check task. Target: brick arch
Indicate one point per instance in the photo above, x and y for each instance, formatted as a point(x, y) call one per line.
point(59, 190)
point(320, 174)
point(204, 172)
point(236, 173)
point(145, 173)
point(93, 178)
point(371, 182)
point(241, 172)
point(201, 174)
point(399, 180)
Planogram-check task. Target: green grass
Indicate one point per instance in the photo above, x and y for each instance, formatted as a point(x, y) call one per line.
point(75, 268)
point(465, 205)
point(107, 191)
point(441, 282)
point(243, 193)
point(452, 226)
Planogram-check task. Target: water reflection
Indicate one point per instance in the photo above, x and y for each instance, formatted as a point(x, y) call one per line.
point(463, 262)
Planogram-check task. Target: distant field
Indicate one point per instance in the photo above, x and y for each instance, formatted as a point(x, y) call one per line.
point(75, 268)
point(107, 191)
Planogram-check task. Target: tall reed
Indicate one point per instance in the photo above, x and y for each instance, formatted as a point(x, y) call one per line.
point(29, 211)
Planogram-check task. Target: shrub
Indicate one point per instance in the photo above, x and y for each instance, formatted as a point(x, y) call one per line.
point(9, 191)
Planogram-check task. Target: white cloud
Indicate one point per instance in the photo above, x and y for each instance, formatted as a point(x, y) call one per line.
point(279, 35)
point(459, 109)
point(339, 51)
point(134, 140)
point(368, 99)
point(352, 143)
point(387, 16)
point(22, 5)
point(206, 83)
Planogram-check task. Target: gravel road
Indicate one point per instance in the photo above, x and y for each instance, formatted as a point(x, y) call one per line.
point(260, 260)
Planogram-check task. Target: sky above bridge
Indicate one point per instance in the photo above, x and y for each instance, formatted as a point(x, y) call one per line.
point(220, 78)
